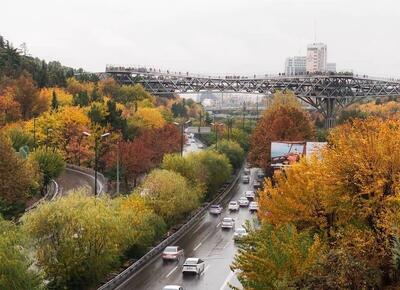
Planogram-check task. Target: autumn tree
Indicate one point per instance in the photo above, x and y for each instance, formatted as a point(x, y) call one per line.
point(18, 179)
point(348, 199)
point(26, 94)
point(232, 150)
point(51, 164)
point(10, 109)
point(78, 239)
point(16, 270)
point(142, 225)
point(169, 195)
point(283, 121)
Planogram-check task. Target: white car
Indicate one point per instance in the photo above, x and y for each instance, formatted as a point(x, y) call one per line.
point(228, 223)
point(253, 206)
point(246, 171)
point(172, 253)
point(215, 209)
point(172, 287)
point(246, 179)
point(200, 146)
point(193, 265)
point(239, 233)
point(249, 194)
point(233, 206)
point(243, 201)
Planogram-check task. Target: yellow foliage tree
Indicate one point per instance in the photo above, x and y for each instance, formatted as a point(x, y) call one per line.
point(151, 117)
point(64, 98)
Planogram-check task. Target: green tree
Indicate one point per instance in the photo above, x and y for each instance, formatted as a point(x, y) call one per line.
point(54, 102)
point(51, 163)
point(78, 239)
point(18, 178)
point(169, 195)
point(15, 267)
point(81, 99)
point(232, 150)
point(217, 167)
point(20, 138)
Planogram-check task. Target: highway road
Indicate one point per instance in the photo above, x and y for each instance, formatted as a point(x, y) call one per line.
point(193, 145)
point(205, 240)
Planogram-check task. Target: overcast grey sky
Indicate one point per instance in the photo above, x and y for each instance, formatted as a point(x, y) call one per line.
point(206, 36)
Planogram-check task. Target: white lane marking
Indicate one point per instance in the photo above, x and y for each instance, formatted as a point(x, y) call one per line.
point(197, 229)
point(198, 246)
point(208, 266)
point(231, 274)
point(172, 271)
point(218, 224)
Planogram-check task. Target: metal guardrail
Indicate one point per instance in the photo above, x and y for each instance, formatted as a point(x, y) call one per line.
point(135, 267)
point(52, 192)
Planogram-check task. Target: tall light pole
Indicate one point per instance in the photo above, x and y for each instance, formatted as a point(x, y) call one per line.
point(48, 130)
point(97, 140)
point(216, 133)
point(182, 132)
point(34, 133)
point(244, 112)
point(118, 168)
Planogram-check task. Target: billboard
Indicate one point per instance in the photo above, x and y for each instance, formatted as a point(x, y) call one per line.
point(286, 153)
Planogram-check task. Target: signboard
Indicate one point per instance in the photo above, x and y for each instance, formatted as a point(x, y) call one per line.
point(195, 130)
point(288, 153)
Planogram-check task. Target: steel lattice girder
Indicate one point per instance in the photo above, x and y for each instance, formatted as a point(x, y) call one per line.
point(336, 86)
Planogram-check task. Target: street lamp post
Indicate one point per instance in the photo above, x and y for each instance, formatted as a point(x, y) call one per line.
point(118, 168)
point(47, 136)
point(34, 132)
point(182, 132)
point(216, 133)
point(96, 147)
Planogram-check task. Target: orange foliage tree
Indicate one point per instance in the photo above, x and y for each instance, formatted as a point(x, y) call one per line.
point(285, 120)
point(350, 200)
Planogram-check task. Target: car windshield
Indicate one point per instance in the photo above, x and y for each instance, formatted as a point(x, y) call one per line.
point(241, 231)
point(215, 206)
point(171, 249)
point(233, 202)
point(191, 262)
point(227, 220)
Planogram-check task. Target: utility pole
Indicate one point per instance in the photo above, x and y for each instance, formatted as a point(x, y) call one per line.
point(96, 147)
point(34, 132)
point(47, 137)
point(182, 127)
point(200, 116)
point(118, 168)
point(244, 110)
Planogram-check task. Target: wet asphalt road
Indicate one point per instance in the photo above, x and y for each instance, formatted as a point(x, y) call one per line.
point(205, 240)
point(72, 179)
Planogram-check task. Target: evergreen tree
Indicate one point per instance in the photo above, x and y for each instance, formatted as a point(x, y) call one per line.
point(81, 99)
point(54, 102)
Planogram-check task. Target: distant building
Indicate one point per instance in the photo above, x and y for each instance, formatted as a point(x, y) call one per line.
point(316, 57)
point(295, 65)
point(331, 67)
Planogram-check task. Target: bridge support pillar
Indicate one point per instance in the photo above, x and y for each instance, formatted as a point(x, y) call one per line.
point(330, 110)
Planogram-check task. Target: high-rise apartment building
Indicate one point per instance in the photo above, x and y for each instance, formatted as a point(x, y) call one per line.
point(316, 57)
point(295, 65)
point(331, 67)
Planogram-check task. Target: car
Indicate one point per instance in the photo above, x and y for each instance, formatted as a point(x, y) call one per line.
point(256, 184)
point(246, 171)
point(243, 201)
point(173, 287)
point(239, 233)
point(172, 253)
point(228, 223)
point(249, 194)
point(200, 146)
point(193, 265)
point(246, 179)
point(233, 206)
point(215, 209)
point(253, 206)
point(260, 174)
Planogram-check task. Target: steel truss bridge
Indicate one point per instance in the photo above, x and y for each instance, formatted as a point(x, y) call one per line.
point(328, 93)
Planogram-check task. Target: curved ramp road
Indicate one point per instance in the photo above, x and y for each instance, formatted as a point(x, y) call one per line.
point(207, 241)
point(72, 179)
